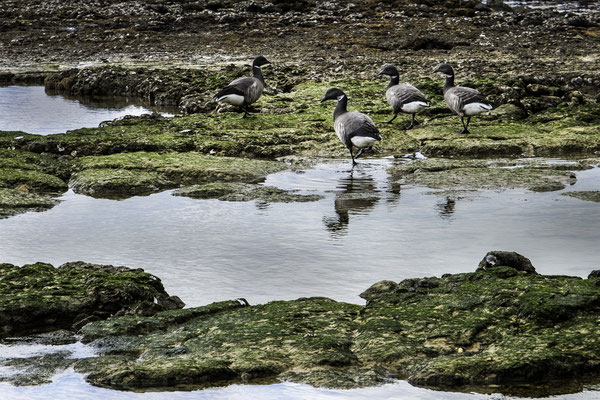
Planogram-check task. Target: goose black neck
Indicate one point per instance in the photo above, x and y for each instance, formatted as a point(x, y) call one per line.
point(394, 81)
point(341, 107)
point(449, 82)
point(258, 73)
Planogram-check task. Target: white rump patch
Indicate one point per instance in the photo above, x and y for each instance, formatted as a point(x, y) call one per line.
point(414, 107)
point(475, 108)
point(363, 141)
point(233, 99)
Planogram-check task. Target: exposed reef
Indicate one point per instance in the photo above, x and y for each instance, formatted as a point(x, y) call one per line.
point(497, 328)
point(501, 325)
point(39, 297)
point(244, 192)
point(461, 176)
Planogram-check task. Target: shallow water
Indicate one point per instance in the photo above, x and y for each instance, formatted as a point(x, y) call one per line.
point(209, 250)
point(30, 109)
point(573, 6)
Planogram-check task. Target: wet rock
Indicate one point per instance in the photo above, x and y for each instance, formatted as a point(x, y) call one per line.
point(379, 288)
point(488, 327)
point(228, 191)
point(508, 112)
point(507, 259)
point(39, 297)
point(17, 201)
point(584, 195)
point(127, 174)
point(470, 175)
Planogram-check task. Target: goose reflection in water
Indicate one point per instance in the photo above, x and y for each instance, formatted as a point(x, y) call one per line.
point(446, 208)
point(356, 194)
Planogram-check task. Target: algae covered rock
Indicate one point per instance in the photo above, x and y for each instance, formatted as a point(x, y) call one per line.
point(235, 191)
point(502, 174)
point(39, 297)
point(128, 174)
point(496, 326)
point(15, 201)
point(585, 195)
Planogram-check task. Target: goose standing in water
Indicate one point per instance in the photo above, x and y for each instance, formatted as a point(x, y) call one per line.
point(244, 91)
point(403, 97)
point(353, 128)
point(463, 101)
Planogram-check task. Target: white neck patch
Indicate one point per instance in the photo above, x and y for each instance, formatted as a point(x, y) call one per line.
point(394, 76)
point(341, 97)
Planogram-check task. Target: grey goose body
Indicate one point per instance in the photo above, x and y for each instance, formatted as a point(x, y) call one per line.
point(462, 101)
point(354, 129)
point(403, 97)
point(242, 92)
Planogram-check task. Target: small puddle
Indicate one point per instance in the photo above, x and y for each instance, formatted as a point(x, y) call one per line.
point(32, 109)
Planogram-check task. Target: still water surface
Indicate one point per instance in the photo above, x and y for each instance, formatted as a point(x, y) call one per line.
point(366, 228)
point(210, 250)
point(30, 109)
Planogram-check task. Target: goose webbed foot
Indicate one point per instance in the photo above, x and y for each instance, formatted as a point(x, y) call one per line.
point(464, 131)
point(246, 113)
point(412, 123)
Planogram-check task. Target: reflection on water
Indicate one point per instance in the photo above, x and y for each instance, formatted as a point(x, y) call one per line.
point(33, 110)
point(446, 207)
point(357, 193)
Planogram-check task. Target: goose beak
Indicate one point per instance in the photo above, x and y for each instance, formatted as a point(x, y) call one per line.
point(323, 99)
point(436, 70)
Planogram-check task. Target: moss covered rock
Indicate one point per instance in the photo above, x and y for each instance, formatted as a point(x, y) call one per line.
point(15, 201)
point(39, 297)
point(495, 326)
point(461, 175)
point(233, 191)
point(127, 174)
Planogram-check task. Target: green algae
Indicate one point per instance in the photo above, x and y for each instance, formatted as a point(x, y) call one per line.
point(14, 201)
point(294, 122)
point(228, 191)
point(126, 174)
point(496, 326)
point(469, 175)
point(585, 195)
point(39, 297)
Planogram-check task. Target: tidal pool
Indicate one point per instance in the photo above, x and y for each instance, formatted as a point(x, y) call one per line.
point(209, 250)
point(32, 110)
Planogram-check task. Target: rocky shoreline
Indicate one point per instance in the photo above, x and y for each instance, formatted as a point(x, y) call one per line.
point(499, 327)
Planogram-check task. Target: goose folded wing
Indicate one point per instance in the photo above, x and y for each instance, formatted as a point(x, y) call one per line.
point(408, 94)
point(359, 124)
point(468, 96)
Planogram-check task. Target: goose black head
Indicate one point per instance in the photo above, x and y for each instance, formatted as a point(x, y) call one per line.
point(445, 69)
point(260, 61)
point(389, 70)
point(333, 94)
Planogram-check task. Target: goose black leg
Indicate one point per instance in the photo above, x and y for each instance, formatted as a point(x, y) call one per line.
point(467, 127)
point(352, 155)
point(361, 151)
point(246, 112)
point(465, 130)
point(393, 118)
point(412, 123)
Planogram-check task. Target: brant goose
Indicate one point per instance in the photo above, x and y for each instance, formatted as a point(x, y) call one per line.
point(463, 101)
point(403, 97)
point(353, 128)
point(244, 91)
